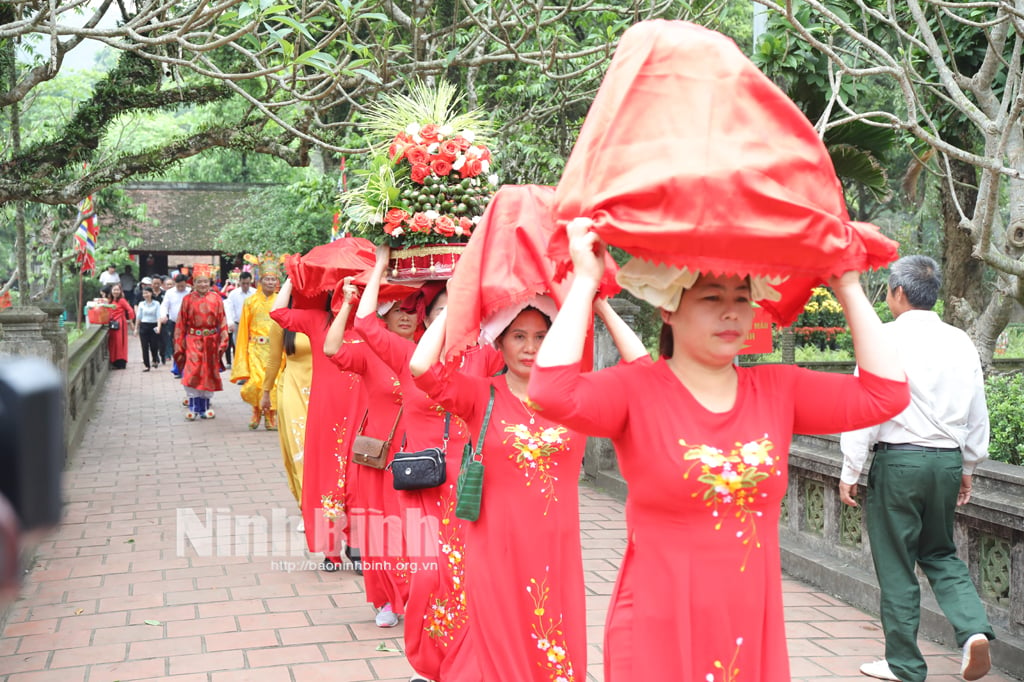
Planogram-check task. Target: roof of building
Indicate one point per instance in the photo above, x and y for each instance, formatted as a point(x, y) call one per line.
point(183, 218)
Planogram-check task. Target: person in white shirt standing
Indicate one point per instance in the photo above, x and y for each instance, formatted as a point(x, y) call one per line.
point(109, 277)
point(924, 460)
point(234, 303)
point(169, 309)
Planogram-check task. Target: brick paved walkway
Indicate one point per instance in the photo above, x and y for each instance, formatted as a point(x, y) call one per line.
point(111, 597)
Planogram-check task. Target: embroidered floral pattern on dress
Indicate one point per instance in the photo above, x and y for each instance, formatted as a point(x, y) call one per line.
point(732, 481)
point(333, 503)
point(447, 614)
point(730, 673)
point(547, 632)
point(533, 455)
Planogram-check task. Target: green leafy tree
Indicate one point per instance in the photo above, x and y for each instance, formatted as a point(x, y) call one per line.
point(957, 76)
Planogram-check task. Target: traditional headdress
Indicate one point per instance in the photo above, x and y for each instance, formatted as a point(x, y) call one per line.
point(235, 275)
point(204, 270)
point(267, 263)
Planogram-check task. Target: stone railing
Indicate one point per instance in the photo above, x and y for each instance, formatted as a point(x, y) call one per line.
point(824, 542)
point(37, 332)
point(88, 367)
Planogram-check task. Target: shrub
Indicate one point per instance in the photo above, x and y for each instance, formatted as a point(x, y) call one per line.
point(1006, 418)
point(821, 322)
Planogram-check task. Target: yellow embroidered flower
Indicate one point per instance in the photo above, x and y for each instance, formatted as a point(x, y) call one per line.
point(533, 455)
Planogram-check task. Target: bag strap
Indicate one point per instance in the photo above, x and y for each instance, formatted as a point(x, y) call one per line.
point(447, 423)
point(483, 429)
point(394, 426)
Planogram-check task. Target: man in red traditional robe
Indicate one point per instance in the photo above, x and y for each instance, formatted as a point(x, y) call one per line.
point(200, 336)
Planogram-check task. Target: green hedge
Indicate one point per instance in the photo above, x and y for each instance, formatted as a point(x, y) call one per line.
point(1006, 417)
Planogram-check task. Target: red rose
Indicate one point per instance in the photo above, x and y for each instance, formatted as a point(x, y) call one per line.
point(397, 150)
point(419, 172)
point(444, 226)
point(440, 167)
point(471, 168)
point(449, 150)
point(429, 133)
point(465, 226)
point(463, 143)
point(392, 228)
point(420, 223)
point(395, 216)
point(417, 154)
point(485, 153)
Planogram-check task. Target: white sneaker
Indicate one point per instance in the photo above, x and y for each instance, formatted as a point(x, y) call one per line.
point(386, 618)
point(977, 661)
point(301, 528)
point(879, 669)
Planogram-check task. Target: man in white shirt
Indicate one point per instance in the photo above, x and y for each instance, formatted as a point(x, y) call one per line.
point(109, 276)
point(234, 303)
point(169, 309)
point(924, 460)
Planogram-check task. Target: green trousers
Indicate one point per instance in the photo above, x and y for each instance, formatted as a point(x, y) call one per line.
point(911, 504)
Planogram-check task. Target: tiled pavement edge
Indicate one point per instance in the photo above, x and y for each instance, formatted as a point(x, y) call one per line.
point(119, 592)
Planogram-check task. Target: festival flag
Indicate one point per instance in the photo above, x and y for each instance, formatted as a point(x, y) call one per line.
point(86, 234)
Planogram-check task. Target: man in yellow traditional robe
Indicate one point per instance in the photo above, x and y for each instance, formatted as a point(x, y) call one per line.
point(252, 345)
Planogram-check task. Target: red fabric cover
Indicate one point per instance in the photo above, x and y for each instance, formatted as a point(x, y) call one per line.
point(505, 263)
point(322, 267)
point(692, 157)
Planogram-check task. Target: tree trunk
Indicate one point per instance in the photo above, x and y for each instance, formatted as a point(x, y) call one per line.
point(963, 275)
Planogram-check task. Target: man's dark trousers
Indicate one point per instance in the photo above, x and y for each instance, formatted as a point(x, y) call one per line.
point(911, 504)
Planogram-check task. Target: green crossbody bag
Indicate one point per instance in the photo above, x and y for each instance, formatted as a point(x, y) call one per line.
point(471, 473)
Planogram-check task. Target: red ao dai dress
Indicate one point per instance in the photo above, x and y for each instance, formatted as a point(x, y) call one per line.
point(524, 565)
point(699, 594)
point(374, 512)
point(435, 614)
point(336, 403)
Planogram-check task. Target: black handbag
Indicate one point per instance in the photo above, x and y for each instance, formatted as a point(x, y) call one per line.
point(421, 469)
point(115, 325)
point(373, 452)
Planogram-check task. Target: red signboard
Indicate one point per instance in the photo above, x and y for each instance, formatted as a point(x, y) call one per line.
point(759, 340)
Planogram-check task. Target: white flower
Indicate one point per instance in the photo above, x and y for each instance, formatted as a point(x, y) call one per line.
point(476, 219)
point(493, 179)
point(459, 163)
point(458, 229)
point(485, 166)
point(432, 215)
point(398, 232)
point(434, 147)
point(543, 644)
point(445, 131)
point(412, 129)
point(469, 135)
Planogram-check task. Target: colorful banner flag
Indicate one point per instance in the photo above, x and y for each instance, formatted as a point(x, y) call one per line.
point(87, 233)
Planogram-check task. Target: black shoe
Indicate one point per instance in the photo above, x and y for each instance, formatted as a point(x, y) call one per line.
point(355, 558)
point(146, 368)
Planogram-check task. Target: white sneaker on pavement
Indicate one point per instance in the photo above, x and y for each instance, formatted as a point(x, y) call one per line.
point(301, 528)
point(386, 618)
point(879, 669)
point(977, 661)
